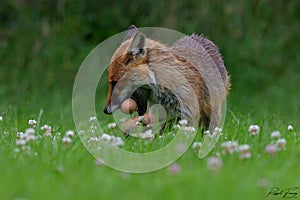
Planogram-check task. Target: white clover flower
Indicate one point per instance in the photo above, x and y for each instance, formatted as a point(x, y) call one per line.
point(244, 151)
point(281, 143)
point(229, 147)
point(118, 141)
point(226, 144)
point(47, 134)
point(30, 137)
point(47, 129)
point(93, 127)
point(29, 134)
point(20, 142)
point(66, 140)
point(214, 163)
point(254, 129)
point(93, 119)
point(32, 122)
point(197, 146)
point(148, 134)
point(290, 128)
point(93, 139)
point(70, 133)
point(275, 134)
point(112, 125)
point(29, 131)
point(244, 147)
point(271, 149)
point(106, 137)
point(1, 118)
point(188, 129)
point(217, 131)
point(207, 132)
point(20, 135)
point(245, 155)
point(183, 122)
point(149, 125)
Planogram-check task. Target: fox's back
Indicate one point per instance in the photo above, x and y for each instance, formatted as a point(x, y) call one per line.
point(198, 48)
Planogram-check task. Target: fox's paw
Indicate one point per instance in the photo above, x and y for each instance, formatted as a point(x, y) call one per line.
point(131, 125)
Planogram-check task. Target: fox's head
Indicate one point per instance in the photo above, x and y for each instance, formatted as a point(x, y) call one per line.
point(130, 55)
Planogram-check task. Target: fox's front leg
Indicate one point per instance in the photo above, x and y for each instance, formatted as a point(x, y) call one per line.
point(132, 124)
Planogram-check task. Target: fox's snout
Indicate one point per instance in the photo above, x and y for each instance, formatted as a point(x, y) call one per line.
point(110, 109)
point(107, 110)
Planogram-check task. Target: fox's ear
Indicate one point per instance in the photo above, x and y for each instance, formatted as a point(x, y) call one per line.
point(131, 32)
point(138, 45)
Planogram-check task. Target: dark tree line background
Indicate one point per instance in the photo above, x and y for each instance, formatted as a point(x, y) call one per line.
point(42, 44)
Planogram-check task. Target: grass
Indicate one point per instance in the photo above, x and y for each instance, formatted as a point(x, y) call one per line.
point(53, 170)
point(42, 46)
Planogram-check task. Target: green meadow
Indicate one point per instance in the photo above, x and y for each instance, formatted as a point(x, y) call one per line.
point(42, 45)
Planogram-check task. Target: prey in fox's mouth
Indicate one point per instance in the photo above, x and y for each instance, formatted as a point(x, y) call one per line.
point(137, 102)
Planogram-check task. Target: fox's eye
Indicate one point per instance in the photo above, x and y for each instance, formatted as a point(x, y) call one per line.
point(113, 84)
point(128, 60)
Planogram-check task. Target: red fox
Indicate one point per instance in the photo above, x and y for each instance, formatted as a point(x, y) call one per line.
point(185, 77)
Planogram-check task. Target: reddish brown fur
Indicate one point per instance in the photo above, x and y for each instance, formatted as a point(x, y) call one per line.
point(158, 53)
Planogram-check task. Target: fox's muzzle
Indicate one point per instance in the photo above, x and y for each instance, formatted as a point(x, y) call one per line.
point(110, 109)
point(107, 110)
point(140, 96)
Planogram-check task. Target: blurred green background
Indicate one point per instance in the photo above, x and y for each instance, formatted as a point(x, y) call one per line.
point(42, 44)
